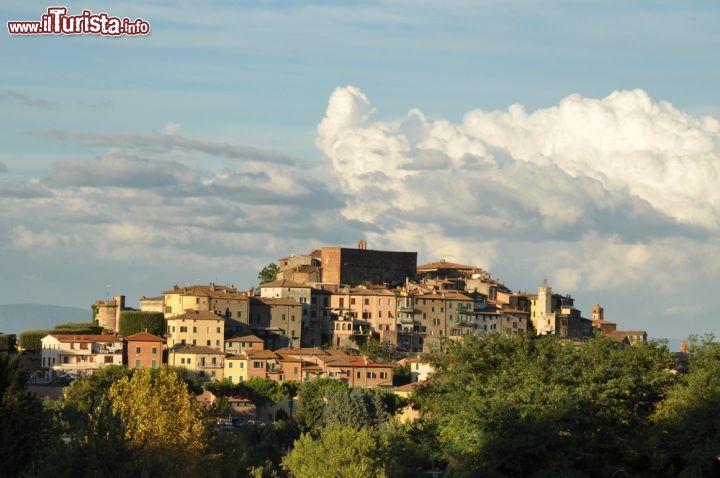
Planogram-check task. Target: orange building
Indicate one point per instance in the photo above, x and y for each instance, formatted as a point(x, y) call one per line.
point(143, 350)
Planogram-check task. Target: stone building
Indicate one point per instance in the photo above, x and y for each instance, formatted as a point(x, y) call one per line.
point(143, 350)
point(349, 266)
point(196, 327)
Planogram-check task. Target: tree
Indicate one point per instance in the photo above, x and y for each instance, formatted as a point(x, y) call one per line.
point(309, 412)
point(686, 437)
point(339, 452)
point(356, 408)
point(84, 394)
point(268, 273)
point(518, 405)
point(160, 417)
point(21, 418)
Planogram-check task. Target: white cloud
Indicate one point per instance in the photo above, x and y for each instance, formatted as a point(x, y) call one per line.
point(611, 191)
point(41, 242)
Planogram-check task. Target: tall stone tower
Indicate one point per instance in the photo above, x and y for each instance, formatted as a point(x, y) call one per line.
point(541, 310)
point(598, 313)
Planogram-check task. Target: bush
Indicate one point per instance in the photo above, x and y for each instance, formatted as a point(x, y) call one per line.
point(134, 321)
point(75, 326)
point(7, 342)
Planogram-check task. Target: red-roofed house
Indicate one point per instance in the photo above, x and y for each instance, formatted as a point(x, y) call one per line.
point(143, 350)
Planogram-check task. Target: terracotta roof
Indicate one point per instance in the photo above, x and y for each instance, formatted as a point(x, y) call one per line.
point(284, 283)
point(246, 338)
point(195, 349)
point(197, 315)
point(144, 337)
point(302, 351)
point(409, 387)
point(85, 338)
point(445, 265)
point(211, 291)
point(261, 354)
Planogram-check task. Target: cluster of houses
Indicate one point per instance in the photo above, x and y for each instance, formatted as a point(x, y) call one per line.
point(296, 327)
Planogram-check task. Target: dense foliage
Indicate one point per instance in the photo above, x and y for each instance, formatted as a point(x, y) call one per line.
point(21, 418)
point(268, 273)
point(31, 339)
point(134, 321)
point(7, 342)
point(499, 406)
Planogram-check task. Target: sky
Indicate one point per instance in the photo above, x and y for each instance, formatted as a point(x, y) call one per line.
point(577, 141)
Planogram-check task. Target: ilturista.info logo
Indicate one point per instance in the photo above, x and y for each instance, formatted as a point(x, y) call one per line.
point(56, 21)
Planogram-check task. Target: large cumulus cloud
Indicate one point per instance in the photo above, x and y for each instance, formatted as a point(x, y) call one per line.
point(609, 181)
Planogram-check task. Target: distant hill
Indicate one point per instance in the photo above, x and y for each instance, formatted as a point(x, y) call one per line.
point(14, 318)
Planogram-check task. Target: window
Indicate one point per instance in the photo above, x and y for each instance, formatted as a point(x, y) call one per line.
point(358, 375)
point(379, 314)
point(217, 330)
point(168, 310)
point(154, 364)
point(208, 342)
point(197, 300)
point(239, 314)
point(137, 364)
point(65, 359)
point(183, 329)
point(137, 350)
point(194, 330)
point(212, 374)
point(182, 360)
point(366, 301)
point(194, 342)
point(257, 364)
point(217, 343)
point(283, 317)
point(383, 374)
point(108, 359)
point(292, 318)
point(230, 364)
point(154, 350)
point(188, 360)
point(213, 360)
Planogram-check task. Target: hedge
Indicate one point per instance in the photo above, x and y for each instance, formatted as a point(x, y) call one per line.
point(74, 325)
point(134, 321)
point(30, 339)
point(7, 342)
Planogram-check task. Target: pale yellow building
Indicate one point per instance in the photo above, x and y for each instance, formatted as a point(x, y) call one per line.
point(198, 328)
point(224, 301)
point(206, 362)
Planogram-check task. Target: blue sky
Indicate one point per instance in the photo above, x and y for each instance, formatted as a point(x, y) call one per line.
point(261, 74)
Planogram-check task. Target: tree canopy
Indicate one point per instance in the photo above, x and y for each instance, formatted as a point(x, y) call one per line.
point(268, 273)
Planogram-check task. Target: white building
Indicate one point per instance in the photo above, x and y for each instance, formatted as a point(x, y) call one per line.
point(80, 354)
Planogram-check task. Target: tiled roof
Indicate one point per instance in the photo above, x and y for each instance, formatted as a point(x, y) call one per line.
point(211, 291)
point(409, 387)
point(445, 265)
point(197, 315)
point(284, 283)
point(246, 338)
point(195, 349)
point(144, 337)
point(261, 354)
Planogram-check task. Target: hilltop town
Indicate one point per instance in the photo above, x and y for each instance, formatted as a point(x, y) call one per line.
point(311, 318)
